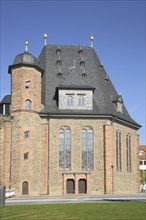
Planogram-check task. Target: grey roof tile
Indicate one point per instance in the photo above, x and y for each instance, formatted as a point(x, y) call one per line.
point(6, 99)
point(27, 59)
point(76, 80)
point(97, 78)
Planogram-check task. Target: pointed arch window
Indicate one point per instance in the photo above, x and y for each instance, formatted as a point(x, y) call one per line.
point(128, 153)
point(118, 150)
point(28, 104)
point(87, 149)
point(64, 148)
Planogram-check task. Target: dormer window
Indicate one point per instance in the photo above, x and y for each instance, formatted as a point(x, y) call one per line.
point(82, 63)
point(59, 75)
point(59, 62)
point(84, 75)
point(119, 107)
point(69, 100)
point(118, 102)
point(27, 84)
point(80, 52)
point(58, 51)
point(106, 79)
point(81, 100)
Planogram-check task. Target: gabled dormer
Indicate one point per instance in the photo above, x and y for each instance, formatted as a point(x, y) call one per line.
point(75, 92)
point(118, 102)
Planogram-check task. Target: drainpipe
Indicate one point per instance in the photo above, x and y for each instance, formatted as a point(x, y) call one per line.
point(10, 173)
point(112, 166)
point(113, 120)
point(48, 154)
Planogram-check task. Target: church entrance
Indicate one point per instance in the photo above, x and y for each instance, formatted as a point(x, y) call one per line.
point(82, 186)
point(70, 186)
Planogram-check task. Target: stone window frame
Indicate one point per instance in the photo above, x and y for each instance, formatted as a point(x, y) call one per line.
point(65, 165)
point(128, 152)
point(88, 163)
point(118, 151)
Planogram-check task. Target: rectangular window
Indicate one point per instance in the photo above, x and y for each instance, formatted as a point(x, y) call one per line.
point(70, 99)
point(144, 162)
point(141, 162)
point(26, 134)
point(81, 100)
point(27, 84)
point(26, 156)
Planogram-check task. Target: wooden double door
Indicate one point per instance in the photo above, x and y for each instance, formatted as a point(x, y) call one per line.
point(70, 186)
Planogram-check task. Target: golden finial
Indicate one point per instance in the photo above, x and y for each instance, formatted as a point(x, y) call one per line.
point(45, 38)
point(26, 46)
point(91, 41)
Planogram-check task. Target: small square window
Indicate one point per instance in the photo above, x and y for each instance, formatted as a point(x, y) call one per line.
point(26, 134)
point(27, 84)
point(141, 162)
point(26, 156)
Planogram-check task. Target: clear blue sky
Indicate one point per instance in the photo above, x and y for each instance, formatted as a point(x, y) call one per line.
point(118, 28)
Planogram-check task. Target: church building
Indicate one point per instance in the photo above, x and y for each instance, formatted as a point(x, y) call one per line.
point(64, 129)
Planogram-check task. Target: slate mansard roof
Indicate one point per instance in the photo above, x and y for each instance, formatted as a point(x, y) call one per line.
point(74, 67)
point(72, 76)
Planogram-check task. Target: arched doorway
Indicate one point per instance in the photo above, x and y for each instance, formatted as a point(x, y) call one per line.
point(70, 186)
point(25, 188)
point(82, 186)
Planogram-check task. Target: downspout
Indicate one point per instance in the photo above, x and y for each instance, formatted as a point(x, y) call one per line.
point(112, 166)
point(113, 120)
point(48, 154)
point(11, 147)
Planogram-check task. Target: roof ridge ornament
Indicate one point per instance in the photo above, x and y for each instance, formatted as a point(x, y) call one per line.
point(26, 46)
point(91, 40)
point(45, 39)
point(74, 64)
